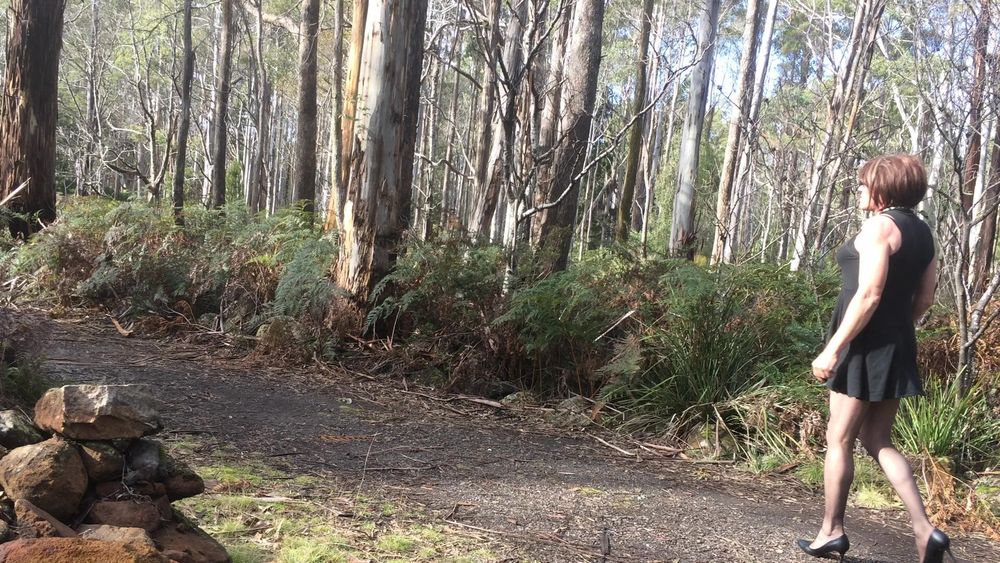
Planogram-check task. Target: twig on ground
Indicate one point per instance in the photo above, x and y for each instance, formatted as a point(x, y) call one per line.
point(659, 448)
point(454, 509)
point(616, 448)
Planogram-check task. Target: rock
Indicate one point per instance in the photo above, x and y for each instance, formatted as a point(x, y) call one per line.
point(16, 430)
point(43, 523)
point(116, 490)
point(75, 550)
point(102, 460)
point(125, 514)
point(143, 460)
point(50, 475)
point(131, 537)
point(181, 481)
point(184, 537)
point(98, 412)
point(570, 413)
point(520, 398)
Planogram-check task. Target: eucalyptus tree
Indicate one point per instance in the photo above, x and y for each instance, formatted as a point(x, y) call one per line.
point(738, 126)
point(380, 171)
point(557, 212)
point(682, 230)
point(624, 219)
point(843, 106)
point(305, 142)
point(28, 113)
point(180, 159)
point(221, 114)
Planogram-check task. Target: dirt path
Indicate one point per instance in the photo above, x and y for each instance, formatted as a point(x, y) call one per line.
point(549, 495)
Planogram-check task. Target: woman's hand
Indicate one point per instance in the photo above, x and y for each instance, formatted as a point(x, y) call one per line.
point(824, 364)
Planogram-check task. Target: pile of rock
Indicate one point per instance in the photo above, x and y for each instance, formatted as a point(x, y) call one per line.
point(83, 484)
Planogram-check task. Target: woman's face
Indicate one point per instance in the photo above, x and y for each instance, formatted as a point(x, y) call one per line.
point(865, 200)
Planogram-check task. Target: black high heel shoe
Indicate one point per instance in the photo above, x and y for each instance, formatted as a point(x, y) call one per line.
point(937, 545)
point(838, 546)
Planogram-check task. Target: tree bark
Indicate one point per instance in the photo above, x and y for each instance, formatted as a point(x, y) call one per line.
point(682, 233)
point(580, 68)
point(257, 194)
point(305, 140)
point(983, 259)
point(624, 219)
point(335, 204)
point(737, 128)
point(349, 117)
point(28, 114)
point(980, 41)
point(376, 209)
point(180, 159)
point(220, 120)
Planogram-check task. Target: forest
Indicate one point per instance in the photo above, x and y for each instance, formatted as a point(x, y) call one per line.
point(623, 212)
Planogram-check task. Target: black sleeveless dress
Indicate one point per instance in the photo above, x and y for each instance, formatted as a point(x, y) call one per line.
point(881, 362)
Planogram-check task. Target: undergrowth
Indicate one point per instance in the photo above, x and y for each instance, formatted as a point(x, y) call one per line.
point(669, 349)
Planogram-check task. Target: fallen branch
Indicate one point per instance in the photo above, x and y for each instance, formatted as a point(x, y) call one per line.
point(616, 448)
point(121, 330)
point(659, 448)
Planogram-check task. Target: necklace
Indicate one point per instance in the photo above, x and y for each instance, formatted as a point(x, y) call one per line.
point(898, 208)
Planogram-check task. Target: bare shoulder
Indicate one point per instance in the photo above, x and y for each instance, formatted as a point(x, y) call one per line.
point(877, 231)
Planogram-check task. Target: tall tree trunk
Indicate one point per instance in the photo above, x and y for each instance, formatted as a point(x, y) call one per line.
point(548, 128)
point(983, 259)
point(91, 158)
point(180, 159)
point(257, 196)
point(624, 219)
point(737, 128)
point(580, 68)
point(450, 213)
point(498, 169)
point(335, 204)
point(746, 155)
point(486, 193)
point(349, 117)
point(682, 234)
point(29, 109)
point(376, 210)
point(980, 40)
point(222, 107)
point(305, 140)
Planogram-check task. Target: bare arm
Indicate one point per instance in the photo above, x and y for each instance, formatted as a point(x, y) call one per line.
point(874, 249)
point(924, 297)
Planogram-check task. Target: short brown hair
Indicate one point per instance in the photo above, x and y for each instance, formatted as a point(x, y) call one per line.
point(894, 180)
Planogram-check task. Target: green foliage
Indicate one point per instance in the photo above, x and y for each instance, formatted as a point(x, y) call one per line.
point(949, 423)
point(713, 344)
point(442, 285)
point(21, 379)
point(218, 269)
point(558, 320)
point(304, 289)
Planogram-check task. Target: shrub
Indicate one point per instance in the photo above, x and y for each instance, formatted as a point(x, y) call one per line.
point(221, 270)
point(948, 423)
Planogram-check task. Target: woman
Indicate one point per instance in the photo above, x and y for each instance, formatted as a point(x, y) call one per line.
point(870, 360)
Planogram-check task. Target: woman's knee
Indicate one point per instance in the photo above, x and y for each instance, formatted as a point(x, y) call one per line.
point(874, 442)
point(839, 438)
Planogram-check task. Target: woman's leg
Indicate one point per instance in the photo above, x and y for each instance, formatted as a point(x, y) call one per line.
point(876, 436)
point(846, 417)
